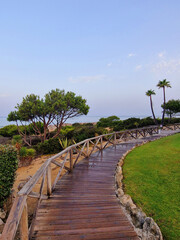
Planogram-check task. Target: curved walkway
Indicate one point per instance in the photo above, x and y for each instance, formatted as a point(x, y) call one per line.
point(84, 204)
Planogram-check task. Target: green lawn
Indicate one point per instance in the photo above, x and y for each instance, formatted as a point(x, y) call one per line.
point(152, 179)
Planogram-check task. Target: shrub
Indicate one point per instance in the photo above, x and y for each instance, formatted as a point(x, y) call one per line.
point(9, 131)
point(107, 122)
point(131, 123)
point(23, 152)
point(8, 163)
point(83, 132)
point(48, 146)
point(146, 122)
point(31, 152)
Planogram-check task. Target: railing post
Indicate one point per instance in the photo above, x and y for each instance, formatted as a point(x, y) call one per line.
point(24, 224)
point(87, 149)
point(114, 138)
point(49, 184)
point(71, 159)
point(101, 143)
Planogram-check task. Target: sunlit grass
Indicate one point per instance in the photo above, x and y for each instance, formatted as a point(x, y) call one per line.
point(152, 179)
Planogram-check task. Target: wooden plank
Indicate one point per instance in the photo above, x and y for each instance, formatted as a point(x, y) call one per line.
point(49, 183)
point(14, 217)
point(24, 233)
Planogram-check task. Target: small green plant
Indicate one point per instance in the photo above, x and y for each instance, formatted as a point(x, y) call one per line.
point(27, 153)
point(23, 152)
point(66, 143)
point(31, 152)
point(8, 166)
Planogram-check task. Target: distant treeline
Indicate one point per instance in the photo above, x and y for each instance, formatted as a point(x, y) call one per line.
point(78, 132)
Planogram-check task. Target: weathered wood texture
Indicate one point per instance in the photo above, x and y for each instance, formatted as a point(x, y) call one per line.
point(84, 205)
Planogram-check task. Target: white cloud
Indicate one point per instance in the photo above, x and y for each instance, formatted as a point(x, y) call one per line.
point(138, 67)
point(86, 79)
point(131, 54)
point(167, 66)
point(161, 54)
point(109, 64)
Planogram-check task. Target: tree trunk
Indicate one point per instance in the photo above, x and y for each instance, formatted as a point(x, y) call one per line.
point(155, 121)
point(58, 131)
point(162, 122)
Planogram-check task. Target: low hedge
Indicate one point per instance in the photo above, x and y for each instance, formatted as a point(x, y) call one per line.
point(8, 166)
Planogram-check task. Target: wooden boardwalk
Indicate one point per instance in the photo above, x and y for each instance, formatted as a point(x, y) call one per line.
point(84, 204)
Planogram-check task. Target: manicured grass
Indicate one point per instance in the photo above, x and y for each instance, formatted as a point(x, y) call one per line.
point(152, 179)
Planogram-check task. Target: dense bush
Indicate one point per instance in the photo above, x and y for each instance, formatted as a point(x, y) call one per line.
point(146, 122)
point(108, 122)
point(9, 131)
point(48, 146)
point(83, 132)
point(25, 152)
point(8, 166)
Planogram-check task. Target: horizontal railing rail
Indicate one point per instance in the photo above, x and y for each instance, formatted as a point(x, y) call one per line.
point(66, 161)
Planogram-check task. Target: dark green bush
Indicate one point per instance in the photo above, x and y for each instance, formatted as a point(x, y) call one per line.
point(48, 146)
point(146, 122)
point(131, 123)
point(107, 122)
point(118, 126)
point(9, 131)
point(8, 166)
point(83, 132)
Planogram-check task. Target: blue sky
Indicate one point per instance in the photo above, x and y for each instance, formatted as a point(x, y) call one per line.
point(108, 51)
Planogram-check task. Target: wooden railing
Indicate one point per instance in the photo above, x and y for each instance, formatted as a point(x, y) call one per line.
point(66, 161)
point(174, 126)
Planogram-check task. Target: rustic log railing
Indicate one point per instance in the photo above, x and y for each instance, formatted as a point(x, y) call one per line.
point(66, 161)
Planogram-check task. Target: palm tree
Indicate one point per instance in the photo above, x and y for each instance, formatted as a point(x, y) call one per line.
point(163, 84)
point(149, 93)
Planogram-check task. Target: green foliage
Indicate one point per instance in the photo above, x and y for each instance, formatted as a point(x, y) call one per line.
point(83, 132)
point(31, 152)
point(148, 121)
point(57, 106)
point(172, 106)
point(107, 122)
point(164, 83)
point(23, 152)
point(66, 129)
point(16, 139)
point(8, 166)
point(66, 143)
point(31, 129)
point(151, 178)
point(9, 131)
point(48, 146)
point(150, 92)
